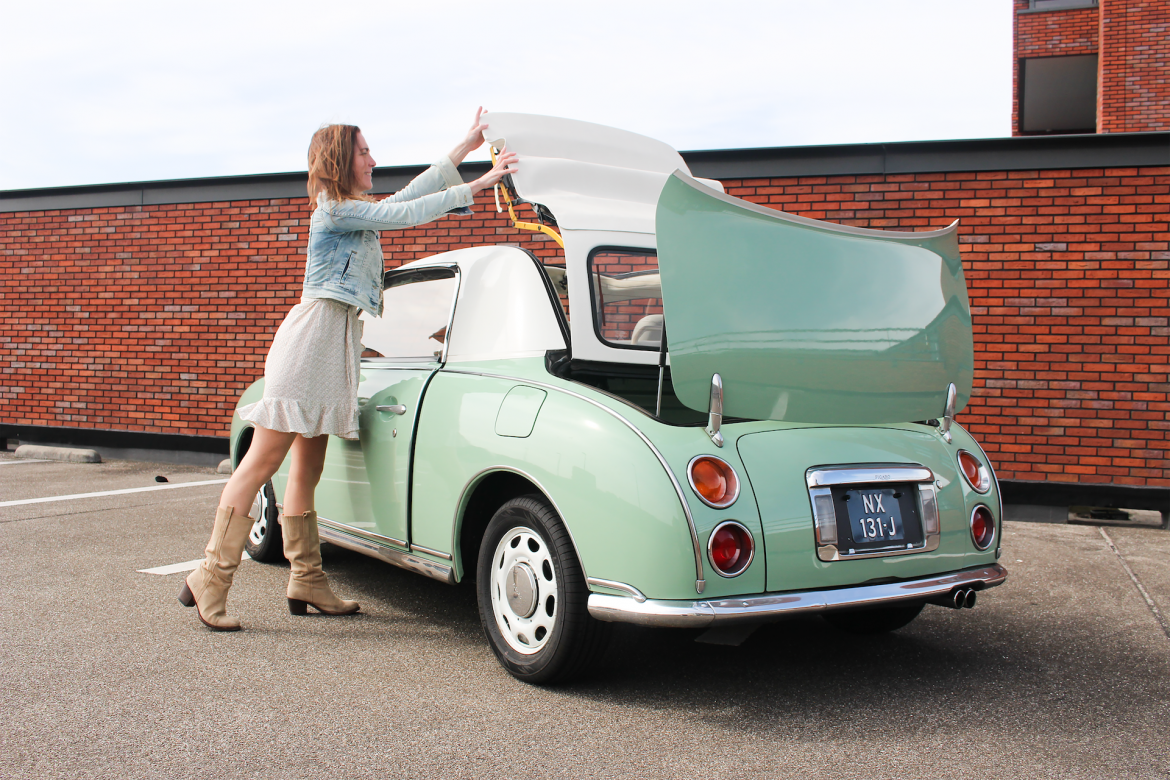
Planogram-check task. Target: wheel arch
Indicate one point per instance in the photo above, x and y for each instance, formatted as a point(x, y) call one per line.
point(483, 494)
point(243, 442)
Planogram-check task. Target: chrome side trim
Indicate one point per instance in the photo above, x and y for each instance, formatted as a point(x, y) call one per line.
point(777, 606)
point(334, 533)
point(475, 480)
point(637, 595)
point(429, 551)
point(369, 536)
point(700, 582)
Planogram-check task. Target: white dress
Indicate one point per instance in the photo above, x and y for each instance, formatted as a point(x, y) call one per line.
point(311, 372)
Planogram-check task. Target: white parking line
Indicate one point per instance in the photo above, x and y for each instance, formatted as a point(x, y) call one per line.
point(112, 492)
point(23, 460)
point(175, 568)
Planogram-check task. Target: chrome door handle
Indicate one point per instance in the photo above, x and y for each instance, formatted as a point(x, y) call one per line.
point(396, 408)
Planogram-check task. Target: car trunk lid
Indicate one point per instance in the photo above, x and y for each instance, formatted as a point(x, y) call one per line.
point(809, 321)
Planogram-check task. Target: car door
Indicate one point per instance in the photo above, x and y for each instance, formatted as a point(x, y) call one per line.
point(387, 434)
point(365, 486)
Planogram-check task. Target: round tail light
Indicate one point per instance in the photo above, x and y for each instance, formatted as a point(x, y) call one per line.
point(730, 548)
point(976, 474)
point(982, 527)
point(713, 480)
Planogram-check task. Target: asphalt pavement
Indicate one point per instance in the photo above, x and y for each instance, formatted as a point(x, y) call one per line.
point(1063, 672)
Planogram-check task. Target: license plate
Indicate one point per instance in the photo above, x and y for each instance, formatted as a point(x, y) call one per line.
point(875, 515)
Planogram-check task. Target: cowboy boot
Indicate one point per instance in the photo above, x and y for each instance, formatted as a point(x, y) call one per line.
point(206, 588)
point(307, 583)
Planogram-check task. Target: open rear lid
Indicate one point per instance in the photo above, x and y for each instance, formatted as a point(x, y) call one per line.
point(809, 321)
point(590, 177)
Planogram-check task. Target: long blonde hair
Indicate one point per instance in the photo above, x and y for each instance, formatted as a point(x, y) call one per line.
point(331, 164)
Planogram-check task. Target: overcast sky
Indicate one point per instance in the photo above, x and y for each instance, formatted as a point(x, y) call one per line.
point(134, 91)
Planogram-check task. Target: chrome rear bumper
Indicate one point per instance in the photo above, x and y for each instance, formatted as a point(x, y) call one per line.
point(775, 606)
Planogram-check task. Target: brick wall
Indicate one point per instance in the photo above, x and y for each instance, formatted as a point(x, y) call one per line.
point(1055, 34)
point(1134, 77)
point(156, 318)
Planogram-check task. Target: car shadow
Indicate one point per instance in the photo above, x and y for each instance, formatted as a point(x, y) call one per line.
point(947, 668)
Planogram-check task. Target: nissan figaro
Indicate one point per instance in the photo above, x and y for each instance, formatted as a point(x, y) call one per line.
point(748, 416)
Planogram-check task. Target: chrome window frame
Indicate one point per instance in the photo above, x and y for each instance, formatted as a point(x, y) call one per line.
point(420, 359)
point(821, 479)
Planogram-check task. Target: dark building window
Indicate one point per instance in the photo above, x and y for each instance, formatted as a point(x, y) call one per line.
point(1058, 94)
point(1059, 5)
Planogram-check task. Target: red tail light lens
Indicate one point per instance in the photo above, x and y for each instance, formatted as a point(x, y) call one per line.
point(731, 548)
point(974, 472)
point(982, 527)
point(713, 480)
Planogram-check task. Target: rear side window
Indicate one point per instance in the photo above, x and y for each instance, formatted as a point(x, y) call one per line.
point(416, 312)
point(627, 297)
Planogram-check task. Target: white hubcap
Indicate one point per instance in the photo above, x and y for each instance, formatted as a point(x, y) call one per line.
point(260, 527)
point(524, 590)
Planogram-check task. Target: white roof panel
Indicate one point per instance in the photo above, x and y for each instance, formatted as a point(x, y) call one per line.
point(590, 177)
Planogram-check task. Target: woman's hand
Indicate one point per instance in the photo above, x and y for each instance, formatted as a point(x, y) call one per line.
point(473, 140)
point(505, 164)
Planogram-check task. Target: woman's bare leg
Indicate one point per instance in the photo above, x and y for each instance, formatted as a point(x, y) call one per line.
point(261, 461)
point(308, 459)
point(307, 583)
point(207, 587)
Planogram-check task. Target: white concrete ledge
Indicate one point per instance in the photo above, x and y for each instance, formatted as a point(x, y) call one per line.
point(68, 454)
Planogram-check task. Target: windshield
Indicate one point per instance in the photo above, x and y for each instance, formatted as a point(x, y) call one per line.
point(627, 297)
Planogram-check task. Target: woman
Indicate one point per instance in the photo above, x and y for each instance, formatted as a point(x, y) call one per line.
point(311, 373)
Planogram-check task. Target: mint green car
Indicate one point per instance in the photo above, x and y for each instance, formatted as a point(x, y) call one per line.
point(712, 413)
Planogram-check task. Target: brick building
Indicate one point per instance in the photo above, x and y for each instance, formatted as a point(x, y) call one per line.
point(1091, 66)
point(135, 314)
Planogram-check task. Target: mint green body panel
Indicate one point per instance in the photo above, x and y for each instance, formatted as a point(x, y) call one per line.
point(809, 321)
point(622, 511)
point(619, 505)
point(518, 411)
point(776, 463)
point(365, 483)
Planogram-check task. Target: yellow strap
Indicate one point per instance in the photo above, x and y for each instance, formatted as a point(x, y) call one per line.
point(525, 225)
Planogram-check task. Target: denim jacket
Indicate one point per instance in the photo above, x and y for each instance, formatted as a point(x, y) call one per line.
point(345, 256)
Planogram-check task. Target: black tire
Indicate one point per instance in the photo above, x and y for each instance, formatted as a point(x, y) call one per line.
point(877, 620)
point(265, 543)
point(575, 640)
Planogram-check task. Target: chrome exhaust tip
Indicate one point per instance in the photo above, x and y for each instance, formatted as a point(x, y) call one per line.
point(969, 600)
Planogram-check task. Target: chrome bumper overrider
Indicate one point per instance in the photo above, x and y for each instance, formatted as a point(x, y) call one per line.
point(765, 607)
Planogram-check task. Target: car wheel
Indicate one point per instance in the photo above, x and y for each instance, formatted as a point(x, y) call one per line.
point(878, 620)
point(533, 596)
point(265, 542)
